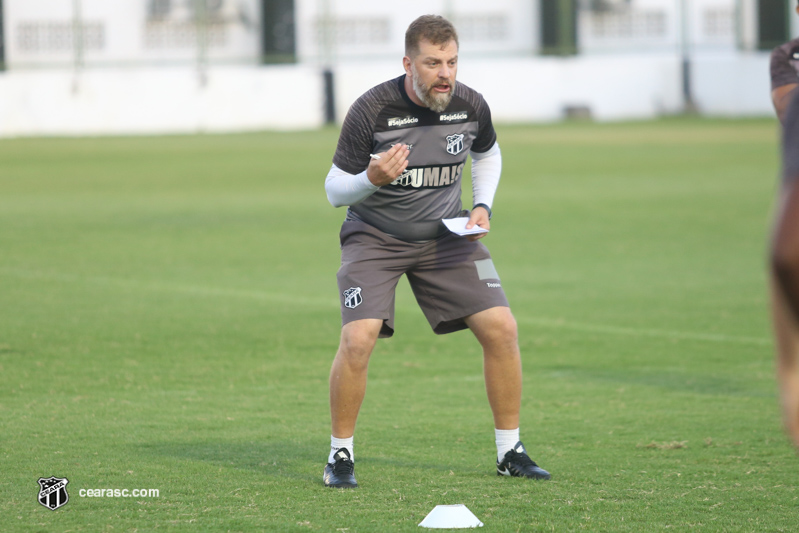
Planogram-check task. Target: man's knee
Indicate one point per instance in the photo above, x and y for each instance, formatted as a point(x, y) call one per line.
point(358, 340)
point(505, 333)
point(495, 327)
point(506, 326)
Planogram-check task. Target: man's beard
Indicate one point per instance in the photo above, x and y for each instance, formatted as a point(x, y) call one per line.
point(437, 102)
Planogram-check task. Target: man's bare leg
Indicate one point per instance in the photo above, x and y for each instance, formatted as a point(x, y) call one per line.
point(348, 374)
point(497, 333)
point(347, 390)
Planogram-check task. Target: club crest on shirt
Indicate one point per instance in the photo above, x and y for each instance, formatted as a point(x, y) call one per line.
point(352, 297)
point(405, 179)
point(455, 143)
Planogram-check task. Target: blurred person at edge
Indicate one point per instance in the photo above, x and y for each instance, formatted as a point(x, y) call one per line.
point(784, 250)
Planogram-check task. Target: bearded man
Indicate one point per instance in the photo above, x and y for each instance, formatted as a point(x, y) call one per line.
point(398, 166)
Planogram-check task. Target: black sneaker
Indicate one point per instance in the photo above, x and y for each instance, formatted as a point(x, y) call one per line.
point(517, 463)
point(340, 474)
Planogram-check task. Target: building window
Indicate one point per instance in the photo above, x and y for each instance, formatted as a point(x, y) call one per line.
point(482, 28)
point(183, 34)
point(354, 32)
point(37, 36)
point(628, 25)
point(718, 24)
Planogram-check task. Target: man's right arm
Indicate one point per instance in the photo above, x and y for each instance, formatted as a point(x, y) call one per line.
point(344, 188)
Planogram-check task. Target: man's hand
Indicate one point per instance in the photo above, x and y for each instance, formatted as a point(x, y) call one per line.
point(390, 166)
point(479, 217)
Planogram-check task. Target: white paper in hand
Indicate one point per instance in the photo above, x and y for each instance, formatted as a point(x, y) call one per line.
point(458, 226)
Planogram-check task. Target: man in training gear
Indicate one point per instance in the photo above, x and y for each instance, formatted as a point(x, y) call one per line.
point(398, 166)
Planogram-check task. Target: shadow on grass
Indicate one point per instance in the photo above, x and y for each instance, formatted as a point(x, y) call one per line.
point(276, 462)
point(695, 383)
point(284, 460)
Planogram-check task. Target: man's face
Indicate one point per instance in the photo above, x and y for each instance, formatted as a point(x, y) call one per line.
point(433, 72)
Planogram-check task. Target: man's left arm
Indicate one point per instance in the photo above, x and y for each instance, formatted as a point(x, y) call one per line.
point(486, 171)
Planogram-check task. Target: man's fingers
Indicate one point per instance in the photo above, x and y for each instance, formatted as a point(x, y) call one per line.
point(390, 165)
point(479, 216)
point(397, 159)
point(401, 168)
point(388, 157)
point(474, 219)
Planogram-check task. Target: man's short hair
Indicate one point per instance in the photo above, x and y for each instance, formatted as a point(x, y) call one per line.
point(433, 28)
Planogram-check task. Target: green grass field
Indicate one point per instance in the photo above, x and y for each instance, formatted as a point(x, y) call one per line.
point(169, 313)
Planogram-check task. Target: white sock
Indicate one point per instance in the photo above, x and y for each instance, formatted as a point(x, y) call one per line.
point(337, 444)
point(506, 440)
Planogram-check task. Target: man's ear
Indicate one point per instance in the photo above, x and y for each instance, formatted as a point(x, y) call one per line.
point(406, 64)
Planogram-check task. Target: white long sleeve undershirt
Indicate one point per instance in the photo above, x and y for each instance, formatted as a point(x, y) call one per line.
point(344, 188)
point(486, 170)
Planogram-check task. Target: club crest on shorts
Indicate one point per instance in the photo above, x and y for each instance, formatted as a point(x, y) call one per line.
point(455, 143)
point(352, 297)
point(53, 492)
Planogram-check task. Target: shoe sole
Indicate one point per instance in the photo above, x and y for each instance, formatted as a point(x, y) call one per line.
point(338, 485)
point(539, 478)
point(342, 486)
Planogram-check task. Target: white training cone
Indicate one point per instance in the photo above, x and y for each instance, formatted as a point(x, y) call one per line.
point(450, 517)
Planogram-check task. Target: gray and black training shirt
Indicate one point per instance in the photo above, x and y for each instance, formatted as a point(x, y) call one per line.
point(411, 207)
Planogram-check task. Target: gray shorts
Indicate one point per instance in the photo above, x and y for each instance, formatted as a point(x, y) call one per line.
point(451, 277)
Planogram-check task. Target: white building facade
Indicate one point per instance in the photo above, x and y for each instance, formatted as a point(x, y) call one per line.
point(76, 67)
